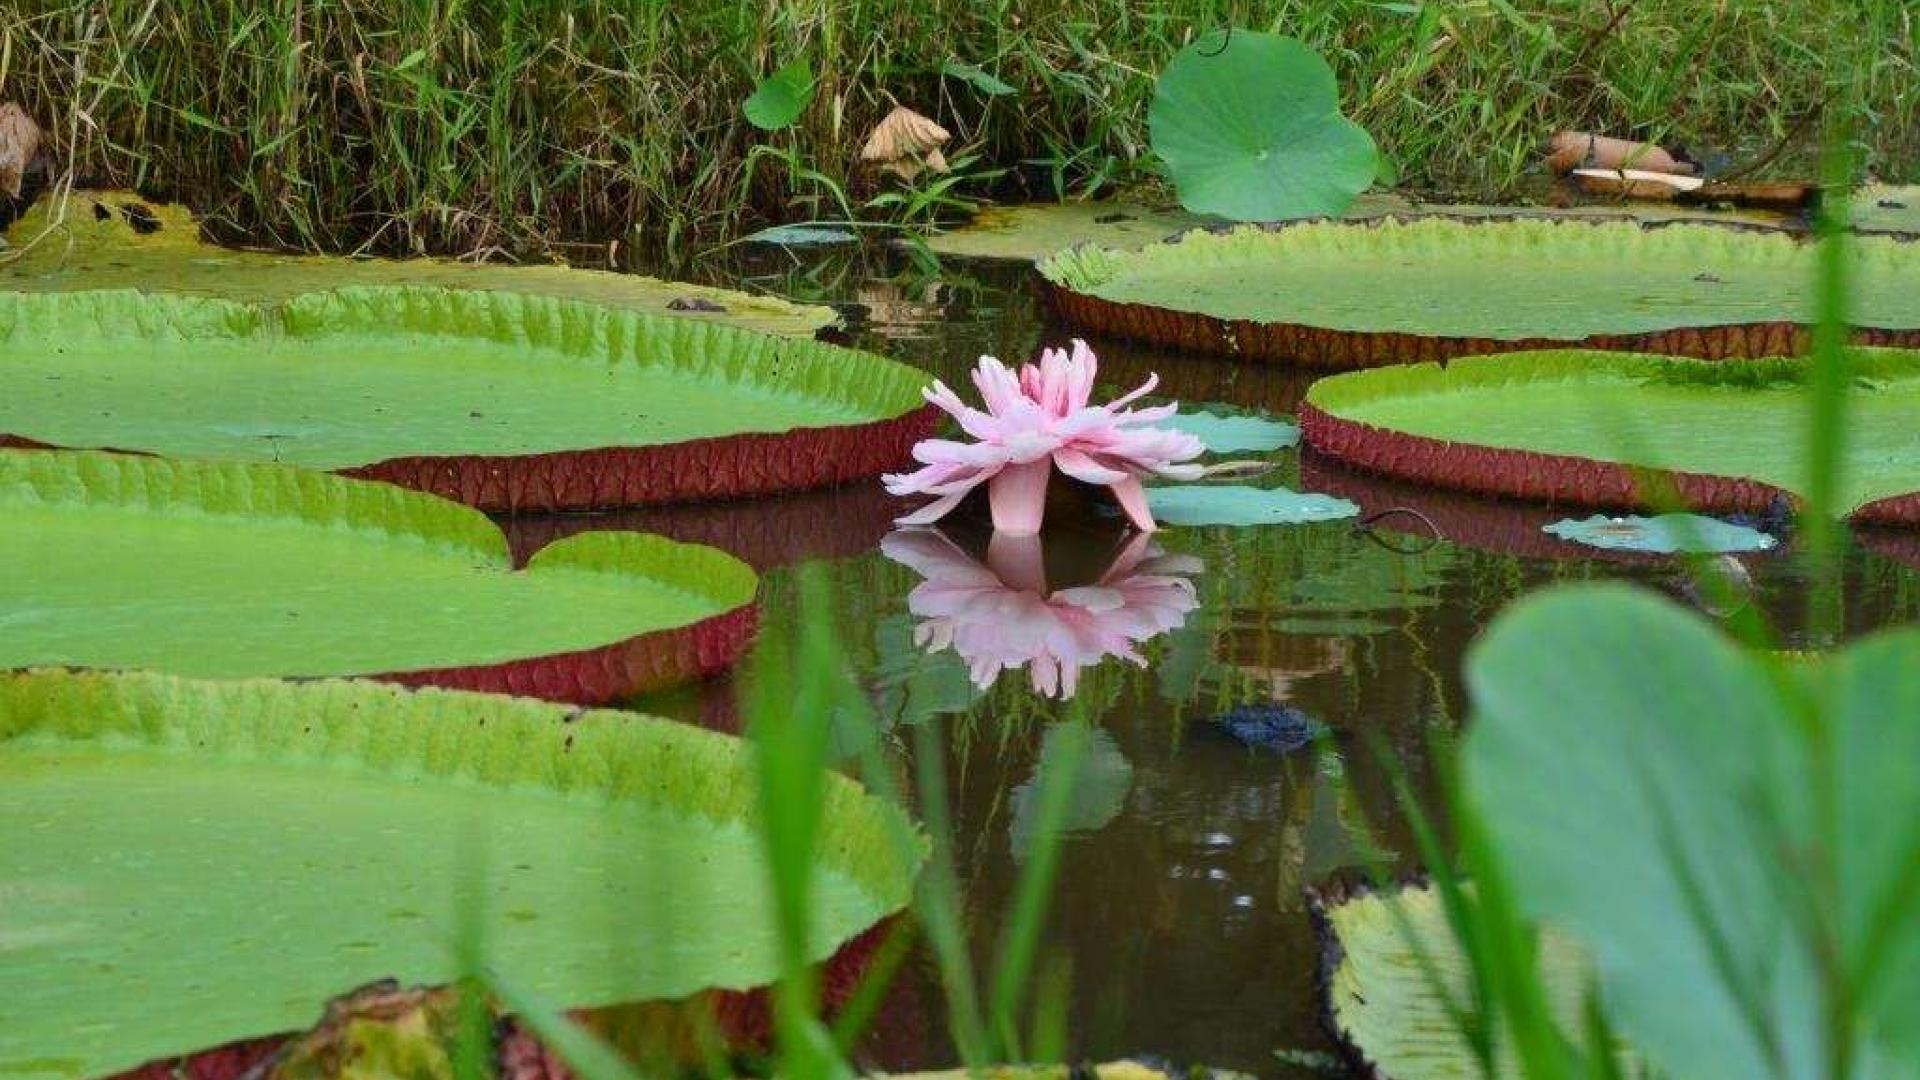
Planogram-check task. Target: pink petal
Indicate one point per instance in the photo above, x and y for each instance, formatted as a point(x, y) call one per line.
point(1019, 561)
point(1133, 500)
point(1019, 494)
point(1083, 467)
point(933, 511)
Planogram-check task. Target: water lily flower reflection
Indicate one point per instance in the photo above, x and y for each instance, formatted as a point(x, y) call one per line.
point(1035, 420)
point(1002, 615)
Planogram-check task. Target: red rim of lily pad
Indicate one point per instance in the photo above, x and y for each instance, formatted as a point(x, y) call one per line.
point(1550, 477)
point(743, 1020)
point(857, 414)
point(1342, 350)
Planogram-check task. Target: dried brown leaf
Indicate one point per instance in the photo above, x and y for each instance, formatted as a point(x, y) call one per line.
point(904, 143)
point(19, 142)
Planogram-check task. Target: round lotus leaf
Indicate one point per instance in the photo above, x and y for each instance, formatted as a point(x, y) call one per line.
point(1249, 126)
point(186, 864)
point(1579, 426)
point(1236, 504)
point(1663, 535)
point(780, 99)
point(227, 571)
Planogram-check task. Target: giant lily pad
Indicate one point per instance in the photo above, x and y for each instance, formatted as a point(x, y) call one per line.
point(1387, 1004)
point(1583, 427)
point(1249, 125)
point(1715, 828)
point(1392, 290)
point(117, 240)
point(187, 863)
point(225, 571)
point(498, 400)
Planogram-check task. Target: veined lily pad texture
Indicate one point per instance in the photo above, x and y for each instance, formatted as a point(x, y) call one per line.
point(118, 240)
point(499, 400)
point(189, 864)
point(1384, 1006)
point(1349, 294)
point(1585, 428)
point(228, 571)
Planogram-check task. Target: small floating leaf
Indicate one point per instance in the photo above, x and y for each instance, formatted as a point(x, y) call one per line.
point(1249, 125)
point(1235, 434)
point(780, 100)
point(1206, 504)
point(1100, 785)
point(800, 235)
point(1665, 534)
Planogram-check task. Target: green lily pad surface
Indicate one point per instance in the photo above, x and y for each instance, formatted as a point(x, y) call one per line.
point(1228, 433)
point(1383, 1003)
point(224, 570)
point(1561, 280)
point(354, 377)
point(118, 240)
point(1236, 504)
point(1727, 420)
point(184, 864)
point(1663, 535)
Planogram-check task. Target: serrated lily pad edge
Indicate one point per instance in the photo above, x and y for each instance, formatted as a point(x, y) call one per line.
point(601, 478)
point(594, 676)
point(1065, 276)
point(1531, 474)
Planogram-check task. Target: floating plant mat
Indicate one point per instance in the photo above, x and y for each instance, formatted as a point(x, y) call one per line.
point(191, 863)
point(499, 400)
point(117, 240)
point(1385, 1007)
point(1359, 294)
point(221, 570)
point(1573, 427)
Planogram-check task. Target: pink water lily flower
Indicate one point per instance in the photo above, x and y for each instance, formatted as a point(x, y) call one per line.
point(1003, 615)
point(1034, 421)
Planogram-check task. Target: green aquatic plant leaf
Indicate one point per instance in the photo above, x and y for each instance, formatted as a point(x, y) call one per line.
point(358, 376)
point(99, 240)
point(1664, 534)
point(222, 570)
point(1385, 1006)
point(1249, 126)
point(974, 76)
point(1233, 504)
point(781, 97)
point(1642, 411)
point(1500, 280)
point(1228, 433)
point(192, 863)
point(1683, 811)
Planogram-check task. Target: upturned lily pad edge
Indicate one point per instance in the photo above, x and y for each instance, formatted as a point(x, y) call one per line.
point(720, 467)
point(668, 763)
point(594, 676)
point(1065, 277)
point(1536, 475)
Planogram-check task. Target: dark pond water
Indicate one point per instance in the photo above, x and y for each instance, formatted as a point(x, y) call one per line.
point(1180, 923)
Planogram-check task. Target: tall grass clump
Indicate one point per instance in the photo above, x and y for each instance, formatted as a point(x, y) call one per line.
point(466, 127)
